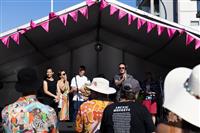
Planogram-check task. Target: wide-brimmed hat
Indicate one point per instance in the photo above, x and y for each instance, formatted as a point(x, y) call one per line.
point(131, 85)
point(101, 85)
point(27, 80)
point(181, 89)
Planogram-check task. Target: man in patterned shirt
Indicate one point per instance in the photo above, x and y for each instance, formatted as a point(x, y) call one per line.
point(27, 114)
point(88, 119)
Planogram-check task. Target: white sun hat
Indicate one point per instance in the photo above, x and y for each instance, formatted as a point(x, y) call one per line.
point(181, 89)
point(101, 85)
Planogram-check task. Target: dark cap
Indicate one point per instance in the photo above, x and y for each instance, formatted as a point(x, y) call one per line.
point(131, 85)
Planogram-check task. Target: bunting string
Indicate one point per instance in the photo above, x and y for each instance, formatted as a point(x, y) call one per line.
point(113, 10)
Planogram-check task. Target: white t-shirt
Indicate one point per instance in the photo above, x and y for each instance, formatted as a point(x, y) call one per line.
point(81, 81)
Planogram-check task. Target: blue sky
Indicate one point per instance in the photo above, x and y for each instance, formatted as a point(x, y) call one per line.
point(15, 13)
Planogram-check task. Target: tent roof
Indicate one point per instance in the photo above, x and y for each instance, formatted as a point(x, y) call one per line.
point(37, 45)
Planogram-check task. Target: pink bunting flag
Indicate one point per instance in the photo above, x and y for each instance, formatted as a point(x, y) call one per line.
point(150, 26)
point(74, 15)
point(103, 5)
point(32, 25)
point(160, 29)
point(181, 31)
point(63, 19)
point(22, 31)
point(131, 18)
point(121, 14)
point(45, 26)
point(84, 11)
point(15, 37)
point(112, 10)
point(52, 15)
point(90, 2)
point(197, 44)
point(171, 32)
point(189, 39)
point(6, 40)
point(140, 23)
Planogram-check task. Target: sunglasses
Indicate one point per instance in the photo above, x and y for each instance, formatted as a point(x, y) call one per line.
point(121, 68)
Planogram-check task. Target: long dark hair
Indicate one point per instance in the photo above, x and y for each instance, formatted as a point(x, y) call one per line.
point(45, 75)
point(59, 73)
point(98, 96)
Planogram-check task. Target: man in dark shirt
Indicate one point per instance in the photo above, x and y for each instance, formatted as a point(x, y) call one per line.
point(127, 116)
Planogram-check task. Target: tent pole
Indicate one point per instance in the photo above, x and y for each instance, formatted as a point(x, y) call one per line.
point(51, 5)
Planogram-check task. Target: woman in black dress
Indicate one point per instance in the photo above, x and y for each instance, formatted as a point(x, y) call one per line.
point(50, 89)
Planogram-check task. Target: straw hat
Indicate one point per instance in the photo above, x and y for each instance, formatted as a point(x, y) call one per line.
point(101, 85)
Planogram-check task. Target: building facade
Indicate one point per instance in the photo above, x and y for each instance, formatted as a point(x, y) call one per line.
point(187, 13)
point(184, 12)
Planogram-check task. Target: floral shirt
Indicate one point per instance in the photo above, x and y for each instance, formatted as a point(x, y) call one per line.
point(28, 115)
point(88, 119)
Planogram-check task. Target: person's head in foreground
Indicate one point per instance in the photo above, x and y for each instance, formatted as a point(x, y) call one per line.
point(130, 90)
point(27, 114)
point(27, 81)
point(90, 113)
point(182, 96)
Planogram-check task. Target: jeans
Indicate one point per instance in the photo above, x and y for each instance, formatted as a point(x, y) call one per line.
point(76, 105)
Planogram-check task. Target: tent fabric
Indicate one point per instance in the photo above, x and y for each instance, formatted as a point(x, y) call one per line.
point(107, 22)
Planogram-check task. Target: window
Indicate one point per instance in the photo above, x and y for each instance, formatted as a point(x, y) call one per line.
point(198, 5)
point(194, 23)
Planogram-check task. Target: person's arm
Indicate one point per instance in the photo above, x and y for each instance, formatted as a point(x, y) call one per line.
point(67, 87)
point(119, 81)
point(58, 92)
point(162, 128)
point(58, 88)
point(45, 88)
point(73, 86)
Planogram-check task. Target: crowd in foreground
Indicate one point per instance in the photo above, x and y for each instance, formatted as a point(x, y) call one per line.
point(97, 114)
